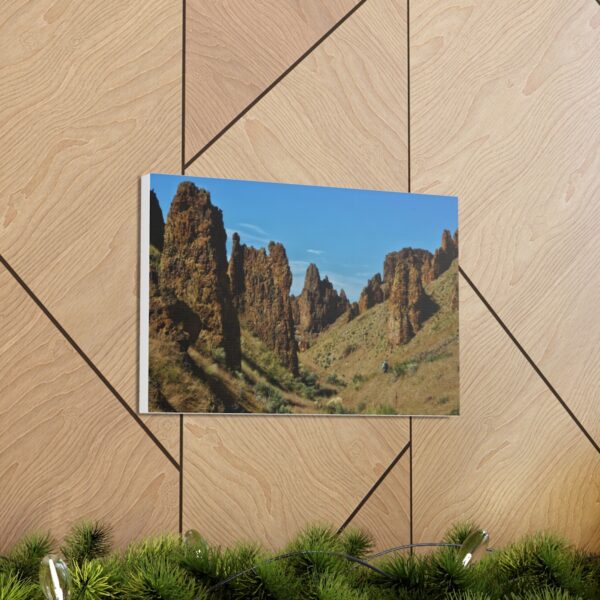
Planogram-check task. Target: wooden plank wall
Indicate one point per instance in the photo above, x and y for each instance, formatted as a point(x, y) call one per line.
point(498, 104)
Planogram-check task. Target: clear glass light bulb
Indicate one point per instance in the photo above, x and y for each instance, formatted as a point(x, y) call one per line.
point(192, 538)
point(474, 547)
point(55, 578)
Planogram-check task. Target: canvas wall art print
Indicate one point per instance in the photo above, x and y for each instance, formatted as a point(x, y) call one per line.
point(268, 298)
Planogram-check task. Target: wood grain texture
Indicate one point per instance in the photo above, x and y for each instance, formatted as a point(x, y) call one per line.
point(338, 119)
point(264, 478)
point(506, 115)
point(513, 462)
point(236, 49)
point(68, 450)
point(386, 514)
point(90, 100)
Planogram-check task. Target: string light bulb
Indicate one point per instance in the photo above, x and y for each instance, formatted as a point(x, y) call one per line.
point(474, 547)
point(55, 578)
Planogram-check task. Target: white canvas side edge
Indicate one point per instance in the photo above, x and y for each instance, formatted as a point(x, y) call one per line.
point(144, 290)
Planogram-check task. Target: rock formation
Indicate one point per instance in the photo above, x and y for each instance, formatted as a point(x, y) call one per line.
point(409, 305)
point(406, 273)
point(193, 273)
point(445, 254)
point(260, 284)
point(295, 310)
point(421, 259)
point(372, 294)
point(319, 304)
point(157, 223)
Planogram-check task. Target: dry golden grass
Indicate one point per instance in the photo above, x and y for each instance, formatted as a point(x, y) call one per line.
point(423, 375)
point(340, 374)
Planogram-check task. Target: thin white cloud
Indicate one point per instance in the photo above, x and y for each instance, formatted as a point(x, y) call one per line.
point(313, 251)
point(252, 227)
point(299, 266)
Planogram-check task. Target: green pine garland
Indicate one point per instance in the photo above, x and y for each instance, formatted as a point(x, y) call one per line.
point(539, 567)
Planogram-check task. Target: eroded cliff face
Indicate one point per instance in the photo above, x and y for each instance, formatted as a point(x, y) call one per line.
point(157, 223)
point(445, 254)
point(318, 306)
point(406, 273)
point(371, 294)
point(260, 284)
point(421, 259)
point(193, 279)
point(409, 306)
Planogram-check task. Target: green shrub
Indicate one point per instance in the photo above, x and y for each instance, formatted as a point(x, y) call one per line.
point(219, 355)
point(24, 559)
point(539, 562)
point(459, 532)
point(356, 542)
point(333, 379)
point(538, 567)
point(158, 578)
point(357, 380)
point(87, 540)
point(14, 588)
point(446, 575)
point(406, 576)
point(404, 368)
point(273, 400)
point(90, 581)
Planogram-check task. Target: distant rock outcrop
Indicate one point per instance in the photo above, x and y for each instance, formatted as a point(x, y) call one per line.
point(319, 305)
point(409, 305)
point(445, 254)
point(421, 259)
point(193, 277)
point(157, 223)
point(406, 273)
point(260, 285)
point(372, 294)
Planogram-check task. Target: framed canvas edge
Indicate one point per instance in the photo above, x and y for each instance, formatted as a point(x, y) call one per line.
point(144, 292)
point(144, 338)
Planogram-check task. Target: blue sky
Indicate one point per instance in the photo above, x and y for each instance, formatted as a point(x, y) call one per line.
point(345, 232)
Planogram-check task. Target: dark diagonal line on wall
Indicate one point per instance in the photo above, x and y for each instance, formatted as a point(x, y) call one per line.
point(89, 362)
point(374, 487)
point(530, 360)
point(272, 85)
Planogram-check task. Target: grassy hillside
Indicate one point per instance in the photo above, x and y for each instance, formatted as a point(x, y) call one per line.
point(340, 374)
point(422, 376)
point(197, 381)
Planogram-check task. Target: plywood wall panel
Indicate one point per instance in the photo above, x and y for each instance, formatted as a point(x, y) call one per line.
point(68, 449)
point(236, 49)
point(265, 478)
point(506, 114)
point(514, 462)
point(339, 118)
point(90, 100)
point(386, 513)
